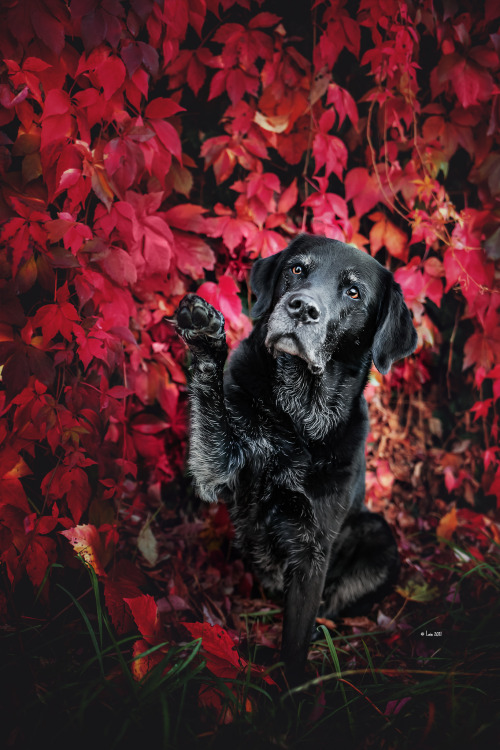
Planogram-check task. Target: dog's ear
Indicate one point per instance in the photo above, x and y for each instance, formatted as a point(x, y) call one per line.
point(263, 278)
point(395, 336)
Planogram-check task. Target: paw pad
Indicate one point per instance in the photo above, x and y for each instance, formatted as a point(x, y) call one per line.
point(199, 323)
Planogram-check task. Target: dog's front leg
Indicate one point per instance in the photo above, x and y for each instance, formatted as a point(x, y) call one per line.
point(303, 592)
point(214, 454)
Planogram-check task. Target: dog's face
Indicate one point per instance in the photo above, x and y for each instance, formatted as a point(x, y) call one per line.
point(328, 300)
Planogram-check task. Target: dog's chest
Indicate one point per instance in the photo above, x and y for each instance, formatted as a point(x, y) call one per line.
point(291, 427)
point(289, 460)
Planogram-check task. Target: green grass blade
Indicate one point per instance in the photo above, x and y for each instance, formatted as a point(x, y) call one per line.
point(88, 626)
point(370, 661)
point(165, 719)
point(335, 659)
point(116, 646)
point(97, 596)
point(45, 579)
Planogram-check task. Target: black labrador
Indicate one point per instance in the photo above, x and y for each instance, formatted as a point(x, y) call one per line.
point(281, 436)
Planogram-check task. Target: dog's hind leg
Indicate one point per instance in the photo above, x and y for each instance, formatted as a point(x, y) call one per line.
point(363, 568)
point(215, 454)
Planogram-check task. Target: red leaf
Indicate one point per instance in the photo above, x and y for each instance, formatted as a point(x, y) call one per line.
point(217, 85)
point(35, 65)
point(471, 83)
point(47, 28)
point(187, 216)
point(37, 561)
point(145, 614)
point(157, 250)
point(482, 349)
point(111, 76)
point(495, 488)
point(16, 371)
point(481, 408)
point(148, 432)
point(192, 255)
point(12, 469)
point(362, 188)
point(119, 266)
point(263, 20)
point(330, 152)
point(56, 129)
point(8, 100)
point(56, 103)
point(169, 136)
point(236, 85)
point(489, 457)
point(196, 74)
point(264, 242)
point(161, 108)
point(93, 28)
point(223, 296)
point(142, 665)
point(76, 483)
point(54, 319)
point(132, 57)
point(465, 261)
point(125, 583)
point(343, 104)
point(232, 230)
point(222, 657)
point(149, 424)
point(288, 198)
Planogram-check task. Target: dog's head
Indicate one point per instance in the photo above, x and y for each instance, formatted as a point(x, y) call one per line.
point(323, 299)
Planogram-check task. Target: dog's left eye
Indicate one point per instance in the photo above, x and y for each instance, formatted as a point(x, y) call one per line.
point(353, 292)
point(297, 270)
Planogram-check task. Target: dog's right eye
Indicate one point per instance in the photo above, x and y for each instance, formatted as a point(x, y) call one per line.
point(297, 270)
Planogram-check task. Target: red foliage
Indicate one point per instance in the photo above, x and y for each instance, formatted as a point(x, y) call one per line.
point(387, 137)
point(223, 660)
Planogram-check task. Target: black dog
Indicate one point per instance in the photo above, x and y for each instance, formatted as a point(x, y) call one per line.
point(282, 437)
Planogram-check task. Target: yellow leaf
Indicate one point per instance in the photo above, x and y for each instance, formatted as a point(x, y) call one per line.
point(386, 234)
point(86, 542)
point(418, 592)
point(447, 525)
point(274, 124)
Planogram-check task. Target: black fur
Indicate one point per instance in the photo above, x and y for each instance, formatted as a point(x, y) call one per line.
point(281, 437)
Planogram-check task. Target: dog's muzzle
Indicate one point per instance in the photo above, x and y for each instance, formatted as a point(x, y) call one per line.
point(297, 327)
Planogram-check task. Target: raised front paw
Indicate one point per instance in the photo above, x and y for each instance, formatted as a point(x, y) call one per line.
point(200, 325)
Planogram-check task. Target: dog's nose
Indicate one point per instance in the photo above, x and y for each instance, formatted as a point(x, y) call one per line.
point(302, 307)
